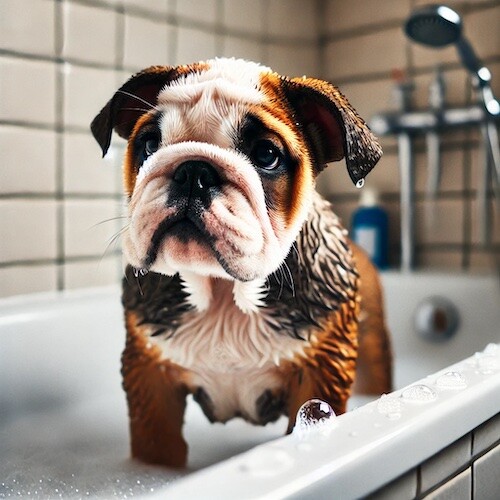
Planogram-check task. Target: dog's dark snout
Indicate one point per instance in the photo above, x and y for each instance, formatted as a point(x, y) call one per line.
point(196, 176)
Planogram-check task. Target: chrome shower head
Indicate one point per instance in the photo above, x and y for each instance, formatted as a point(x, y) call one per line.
point(434, 26)
point(438, 26)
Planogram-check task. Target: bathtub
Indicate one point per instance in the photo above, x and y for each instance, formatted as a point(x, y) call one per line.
point(63, 417)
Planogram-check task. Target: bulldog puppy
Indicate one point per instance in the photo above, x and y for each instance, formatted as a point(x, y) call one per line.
point(241, 287)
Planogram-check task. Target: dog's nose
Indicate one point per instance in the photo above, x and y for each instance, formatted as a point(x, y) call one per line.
point(196, 177)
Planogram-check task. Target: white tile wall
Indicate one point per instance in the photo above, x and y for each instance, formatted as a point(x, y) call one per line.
point(28, 229)
point(28, 90)
point(292, 18)
point(17, 280)
point(89, 226)
point(204, 11)
point(344, 16)
point(195, 45)
point(243, 47)
point(245, 16)
point(86, 91)
point(153, 6)
point(89, 33)
point(347, 59)
point(98, 175)
point(28, 160)
point(92, 273)
point(33, 17)
point(146, 43)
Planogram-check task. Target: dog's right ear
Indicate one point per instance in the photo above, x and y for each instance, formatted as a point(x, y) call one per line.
point(136, 97)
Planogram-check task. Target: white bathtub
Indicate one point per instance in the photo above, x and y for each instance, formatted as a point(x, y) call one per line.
point(63, 418)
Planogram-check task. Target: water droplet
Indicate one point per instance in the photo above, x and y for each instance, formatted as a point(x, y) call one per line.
point(360, 183)
point(419, 393)
point(314, 416)
point(491, 349)
point(390, 406)
point(265, 462)
point(451, 380)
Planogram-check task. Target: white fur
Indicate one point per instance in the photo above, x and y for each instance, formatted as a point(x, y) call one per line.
point(249, 295)
point(230, 353)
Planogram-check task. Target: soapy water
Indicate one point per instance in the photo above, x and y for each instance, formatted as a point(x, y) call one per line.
point(451, 380)
point(314, 417)
point(266, 462)
point(419, 393)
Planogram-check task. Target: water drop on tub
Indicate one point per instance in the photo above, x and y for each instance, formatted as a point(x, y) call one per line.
point(389, 406)
point(451, 380)
point(419, 393)
point(314, 416)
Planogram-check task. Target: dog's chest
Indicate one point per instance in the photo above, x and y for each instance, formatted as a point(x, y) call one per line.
point(233, 360)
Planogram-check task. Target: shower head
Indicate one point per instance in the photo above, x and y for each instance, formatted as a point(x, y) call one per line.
point(438, 26)
point(434, 26)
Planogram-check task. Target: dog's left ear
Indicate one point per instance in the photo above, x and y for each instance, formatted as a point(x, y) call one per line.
point(134, 98)
point(333, 127)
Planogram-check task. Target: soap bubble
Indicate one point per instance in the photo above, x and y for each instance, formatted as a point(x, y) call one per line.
point(314, 416)
point(419, 393)
point(451, 380)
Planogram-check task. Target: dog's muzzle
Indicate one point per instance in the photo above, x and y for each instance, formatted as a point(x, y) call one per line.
point(194, 179)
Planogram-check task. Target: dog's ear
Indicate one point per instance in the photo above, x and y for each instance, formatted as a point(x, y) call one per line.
point(333, 127)
point(134, 98)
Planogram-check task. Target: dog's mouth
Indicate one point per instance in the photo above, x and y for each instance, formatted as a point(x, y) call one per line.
point(184, 228)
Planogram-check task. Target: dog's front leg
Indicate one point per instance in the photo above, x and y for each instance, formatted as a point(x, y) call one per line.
point(156, 399)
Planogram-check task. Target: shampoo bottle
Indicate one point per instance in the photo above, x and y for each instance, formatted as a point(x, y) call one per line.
point(370, 228)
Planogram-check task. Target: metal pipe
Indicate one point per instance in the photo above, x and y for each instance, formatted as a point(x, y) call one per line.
point(407, 201)
point(415, 122)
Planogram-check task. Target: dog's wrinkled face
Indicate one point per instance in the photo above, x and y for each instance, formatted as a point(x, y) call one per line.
point(221, 162)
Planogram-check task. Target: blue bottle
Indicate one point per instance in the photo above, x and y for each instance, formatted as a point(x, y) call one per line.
point(370, 228)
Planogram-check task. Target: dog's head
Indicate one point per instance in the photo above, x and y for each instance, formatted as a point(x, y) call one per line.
point(221, 163)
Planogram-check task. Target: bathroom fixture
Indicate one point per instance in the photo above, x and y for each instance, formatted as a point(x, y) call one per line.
point(436, 101)
point(436, 318)
point(437, 26)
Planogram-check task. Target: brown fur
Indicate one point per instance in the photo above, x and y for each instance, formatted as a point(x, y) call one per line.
point(340, 314)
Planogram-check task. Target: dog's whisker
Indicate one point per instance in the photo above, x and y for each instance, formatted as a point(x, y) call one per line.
point(136, 109)
point(140, 99)
point(113, 239)
point(290, 276)
point(111, 219)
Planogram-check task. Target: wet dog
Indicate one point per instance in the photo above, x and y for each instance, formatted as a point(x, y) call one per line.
point(241, 287)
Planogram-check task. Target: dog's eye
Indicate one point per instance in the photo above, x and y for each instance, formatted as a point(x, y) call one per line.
point(266, 155)
point(151, 144)
point(146, 144)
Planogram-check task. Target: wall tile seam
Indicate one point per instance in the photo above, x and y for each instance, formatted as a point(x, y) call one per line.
point(115, 253)
point(68, 196)
point(377, 76)
point(468, 465)
point(181, 21)
point(420, 196)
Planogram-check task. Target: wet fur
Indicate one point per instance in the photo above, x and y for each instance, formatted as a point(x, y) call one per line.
point(248, 337)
